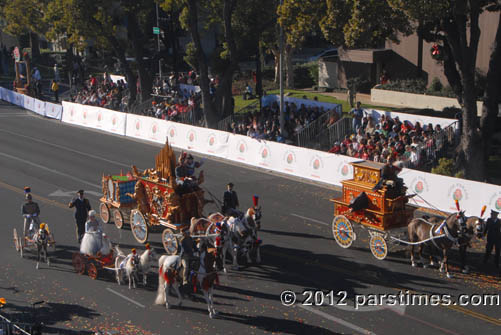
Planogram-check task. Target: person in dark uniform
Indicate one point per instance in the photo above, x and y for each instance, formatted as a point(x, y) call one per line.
point(493, 232)
point(82, 207)
point(230, 201)
point(187, 246)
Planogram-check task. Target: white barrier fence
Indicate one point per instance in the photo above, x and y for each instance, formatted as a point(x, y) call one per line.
point(315, 165)
point(40, 107)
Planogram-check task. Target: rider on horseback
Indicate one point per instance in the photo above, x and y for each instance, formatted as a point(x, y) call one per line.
point(31, 213)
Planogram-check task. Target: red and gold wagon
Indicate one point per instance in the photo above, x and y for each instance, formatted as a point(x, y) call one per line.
point(385, 210)
point(153, 198)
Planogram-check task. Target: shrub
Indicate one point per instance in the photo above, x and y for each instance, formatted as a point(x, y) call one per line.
point(445, 167)
point(435, 86)
point(306, 76)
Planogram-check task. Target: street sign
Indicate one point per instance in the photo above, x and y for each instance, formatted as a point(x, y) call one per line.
point(17, 54)
point(156, 30)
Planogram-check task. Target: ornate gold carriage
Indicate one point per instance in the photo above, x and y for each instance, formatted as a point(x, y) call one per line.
point(155, 200)
point(385, 209)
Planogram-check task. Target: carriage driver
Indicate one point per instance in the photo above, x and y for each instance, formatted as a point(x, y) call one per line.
point(230, 202)
point(30, 209)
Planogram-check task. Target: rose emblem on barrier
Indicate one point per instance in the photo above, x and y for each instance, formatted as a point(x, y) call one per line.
point(264, 153)
point(114, 120)
point(241, 148)
point(345, 170)
point(290, 158)
point(498, 204)
point(457, 195)
point(72, 112)
point(212, 140)
point(99, 117)
point(316, 164)
point(154, 128)
point(138, 125)
point(172, 132)
point(84, 114)
point(419, 187)
point(191, 136)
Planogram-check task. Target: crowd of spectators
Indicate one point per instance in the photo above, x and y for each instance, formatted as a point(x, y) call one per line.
point(414, 145)
point(103, 92)
point(265, 124)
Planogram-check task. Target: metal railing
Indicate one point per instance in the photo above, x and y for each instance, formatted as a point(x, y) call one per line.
point(138, 108)
point(8, 327)
point(333, 133)
point(224, 124)
point(307, 137)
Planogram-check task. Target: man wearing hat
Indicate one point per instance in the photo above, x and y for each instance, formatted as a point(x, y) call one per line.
point(30, 212)
point(493, 232)
point(187, 246)
point(230, 201)
point(82, 207)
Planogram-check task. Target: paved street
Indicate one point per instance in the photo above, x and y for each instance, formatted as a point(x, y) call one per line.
point(298, 252)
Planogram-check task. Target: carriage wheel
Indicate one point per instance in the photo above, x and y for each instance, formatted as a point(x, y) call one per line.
point(118, 218)
point(92, 270)
point(342, 230)
point(17, 243)
point(139, 226)
point(378, 245)
point(170, 242)
point(104, 211)
point(78, 263)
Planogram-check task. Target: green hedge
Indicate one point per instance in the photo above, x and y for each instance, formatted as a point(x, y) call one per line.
point(418, 86)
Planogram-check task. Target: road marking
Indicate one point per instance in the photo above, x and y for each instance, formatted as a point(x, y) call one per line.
point(126, 298)
point(66, 148)
point(35, 196)
point(50, 170)
point(310, 219)
point(334, 269)
point(337, 320)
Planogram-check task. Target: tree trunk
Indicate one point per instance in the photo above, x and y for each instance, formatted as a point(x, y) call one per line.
point(491, 95)
point(289, 67)
point(137, 41)
point(35, 47)
point(276, 57)
point(210, 115)
point(259, 75)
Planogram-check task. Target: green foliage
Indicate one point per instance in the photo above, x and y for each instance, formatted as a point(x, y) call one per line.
point(445, 167)
point(435, 86)
point(305, 76)
point(190, 57)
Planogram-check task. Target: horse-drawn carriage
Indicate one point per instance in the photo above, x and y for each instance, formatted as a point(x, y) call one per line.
point(381, 210)
point(37, 238)
point(95, 262)
point(153, 198)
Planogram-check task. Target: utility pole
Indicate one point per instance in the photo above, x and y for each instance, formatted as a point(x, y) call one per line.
point(158, 44)
point(281, 73)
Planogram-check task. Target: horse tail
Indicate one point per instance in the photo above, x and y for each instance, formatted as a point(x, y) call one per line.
point(160, 299)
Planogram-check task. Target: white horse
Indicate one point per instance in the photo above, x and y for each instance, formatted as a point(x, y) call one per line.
point(126, 266)
point(168, 276)
point(239, 237)
point(146, 263)
point(206, 278)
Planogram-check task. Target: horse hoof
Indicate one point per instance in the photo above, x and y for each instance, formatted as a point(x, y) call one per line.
point(37, 266)
point(167, 306)
point(449, 276)
point(426, 266)
point(211, 315)
point(414, 265)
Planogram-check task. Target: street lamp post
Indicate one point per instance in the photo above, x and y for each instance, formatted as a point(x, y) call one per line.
point(158, 45)
point(281, 73)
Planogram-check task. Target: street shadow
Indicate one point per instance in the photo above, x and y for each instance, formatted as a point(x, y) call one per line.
point(275, 325)
point(292, 234)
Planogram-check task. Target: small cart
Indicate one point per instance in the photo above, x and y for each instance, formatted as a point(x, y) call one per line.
point(28, 243)
point(93, 264)
point(384, 216)
point(116, 202)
